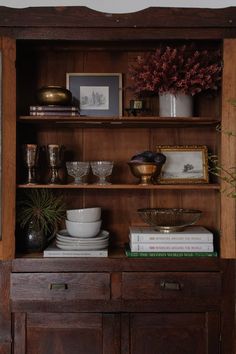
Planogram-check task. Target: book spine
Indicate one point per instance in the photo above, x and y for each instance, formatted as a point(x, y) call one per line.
point(149, 238)
point(55, 113)
point(169, 254)
point(54, 108)
point(74, 254)
point(171, 247)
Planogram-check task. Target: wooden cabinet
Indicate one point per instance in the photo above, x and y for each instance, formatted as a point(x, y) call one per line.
point(65, 333)
point(116, 304)
point(171, 311)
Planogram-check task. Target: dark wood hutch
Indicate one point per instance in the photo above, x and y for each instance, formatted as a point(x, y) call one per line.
point(115, 305)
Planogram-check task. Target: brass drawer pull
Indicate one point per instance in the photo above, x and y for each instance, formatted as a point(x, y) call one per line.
point(170, 285)
point(58, 286)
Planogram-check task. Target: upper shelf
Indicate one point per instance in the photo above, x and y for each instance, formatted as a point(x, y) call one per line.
point(121, 121)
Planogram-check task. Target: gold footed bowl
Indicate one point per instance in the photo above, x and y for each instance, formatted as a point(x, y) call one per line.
point(147, 172)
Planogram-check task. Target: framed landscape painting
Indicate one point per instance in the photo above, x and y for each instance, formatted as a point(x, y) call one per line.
point(96, 94)
point(184, 164)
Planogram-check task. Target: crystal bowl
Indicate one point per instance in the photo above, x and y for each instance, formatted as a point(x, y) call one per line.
point(77, 169)
point(147, 172)
point(169, 220)
point(102, 169)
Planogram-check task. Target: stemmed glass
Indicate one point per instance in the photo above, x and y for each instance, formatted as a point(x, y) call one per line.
point(102, 169)
point(30, 156)
point(77, 169)
point(55, 154)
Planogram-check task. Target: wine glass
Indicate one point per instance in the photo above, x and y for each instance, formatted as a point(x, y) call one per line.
point(102, 169)
point(30, 156)
point(55, 154)
point(77, 169)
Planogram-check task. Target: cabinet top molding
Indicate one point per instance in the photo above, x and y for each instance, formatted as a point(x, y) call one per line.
point(152, 17)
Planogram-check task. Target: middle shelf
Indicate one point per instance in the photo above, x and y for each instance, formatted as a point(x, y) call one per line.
point(207, 186)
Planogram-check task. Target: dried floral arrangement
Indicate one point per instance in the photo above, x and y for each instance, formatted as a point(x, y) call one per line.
point(176, 69)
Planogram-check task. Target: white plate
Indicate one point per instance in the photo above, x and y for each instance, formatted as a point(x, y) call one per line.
point(103, 242)
point(82, 248)
point(64, 233)
point(103, 235)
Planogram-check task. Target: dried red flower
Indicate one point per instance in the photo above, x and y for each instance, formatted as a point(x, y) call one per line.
point(176, 69)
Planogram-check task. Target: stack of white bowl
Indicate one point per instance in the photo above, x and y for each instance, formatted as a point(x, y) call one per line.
point(83, 231)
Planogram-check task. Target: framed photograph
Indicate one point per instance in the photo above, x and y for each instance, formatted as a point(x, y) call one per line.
point(96, 94)
point(184, 164)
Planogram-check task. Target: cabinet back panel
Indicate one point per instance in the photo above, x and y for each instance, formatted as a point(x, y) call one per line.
point(118, 145)
point(119, 207)
point(48, 63)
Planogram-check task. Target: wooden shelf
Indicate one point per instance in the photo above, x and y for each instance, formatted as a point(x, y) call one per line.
point(206, 186)
point(120, 121)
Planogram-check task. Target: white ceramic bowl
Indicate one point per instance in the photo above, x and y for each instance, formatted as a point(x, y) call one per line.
point(84, 215)
point(83, 229)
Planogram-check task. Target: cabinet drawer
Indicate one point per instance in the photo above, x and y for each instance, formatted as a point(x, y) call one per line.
point(58, 286)
point(167, 285)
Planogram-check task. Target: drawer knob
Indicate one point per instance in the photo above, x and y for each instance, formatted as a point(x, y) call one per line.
point(170, 285)
point(58, 286)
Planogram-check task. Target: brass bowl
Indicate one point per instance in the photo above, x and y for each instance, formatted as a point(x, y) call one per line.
point(145, 171)
point(54, 95)
point(169, 220)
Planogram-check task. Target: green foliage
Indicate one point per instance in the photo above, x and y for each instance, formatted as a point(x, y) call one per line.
point(226, 175)
point(42, 207)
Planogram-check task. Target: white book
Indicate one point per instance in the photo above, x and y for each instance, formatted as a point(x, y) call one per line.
point(54, 251)
point(171, 247)
point(191, 234)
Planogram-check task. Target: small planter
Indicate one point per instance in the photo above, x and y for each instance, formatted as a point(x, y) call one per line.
point(179, 105)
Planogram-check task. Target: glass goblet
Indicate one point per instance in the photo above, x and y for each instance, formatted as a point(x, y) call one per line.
point(30, 156)
point(102, 169)
point(77, 169)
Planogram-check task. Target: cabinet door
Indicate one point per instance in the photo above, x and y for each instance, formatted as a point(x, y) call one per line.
point(170, 333)
point(69, 333)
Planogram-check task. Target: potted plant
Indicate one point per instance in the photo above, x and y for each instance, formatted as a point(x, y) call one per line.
point(176, 74)
point(38, 214)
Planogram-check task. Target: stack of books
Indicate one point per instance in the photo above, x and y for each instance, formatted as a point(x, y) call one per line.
point(52, 251)
point(194, 241)
point(54, 110)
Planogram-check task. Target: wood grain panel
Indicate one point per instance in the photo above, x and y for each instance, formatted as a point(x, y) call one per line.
point(8, 146)
point(119, 211)
point(228, 149)
point(55, 333)
point(170, 286)
point(19, 333)
point(174, 333)
point(56, 286)
point(5, 315)
point(81, 16)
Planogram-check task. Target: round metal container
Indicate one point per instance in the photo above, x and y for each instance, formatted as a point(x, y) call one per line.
point(54, 95)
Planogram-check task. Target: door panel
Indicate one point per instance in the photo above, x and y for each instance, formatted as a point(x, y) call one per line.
point(174, 333)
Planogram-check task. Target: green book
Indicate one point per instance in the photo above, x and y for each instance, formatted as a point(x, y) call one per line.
point(167, 254)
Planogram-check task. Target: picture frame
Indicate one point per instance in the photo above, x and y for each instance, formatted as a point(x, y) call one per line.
point(97, 94)
point(184, 164)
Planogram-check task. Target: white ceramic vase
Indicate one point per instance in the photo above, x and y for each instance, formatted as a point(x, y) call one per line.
point(178, 105)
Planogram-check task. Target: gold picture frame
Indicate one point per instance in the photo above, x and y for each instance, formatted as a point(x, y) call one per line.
point(184, 164)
